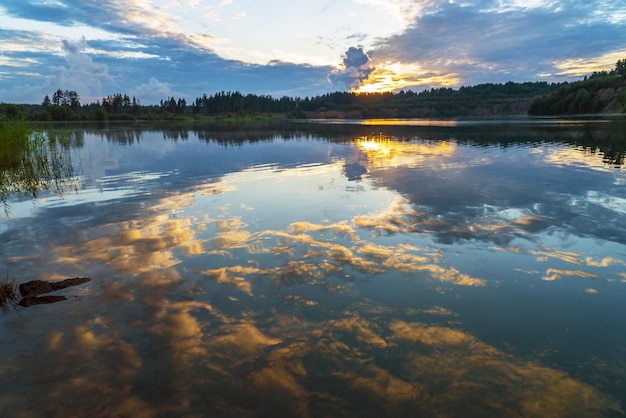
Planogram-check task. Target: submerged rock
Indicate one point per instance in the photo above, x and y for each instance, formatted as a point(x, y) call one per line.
point(36, 287)
point(30, 290)
point(40, 300)
point(69, 282)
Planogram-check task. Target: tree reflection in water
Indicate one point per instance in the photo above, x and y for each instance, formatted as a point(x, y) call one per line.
point(331, 272)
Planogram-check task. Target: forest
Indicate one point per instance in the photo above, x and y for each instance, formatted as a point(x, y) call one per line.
point(481, 100)
point(602, 92)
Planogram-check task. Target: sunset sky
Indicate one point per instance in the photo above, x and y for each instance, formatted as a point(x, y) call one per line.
point(184, 48)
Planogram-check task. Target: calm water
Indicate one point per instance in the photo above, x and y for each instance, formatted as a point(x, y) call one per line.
point(337, 269)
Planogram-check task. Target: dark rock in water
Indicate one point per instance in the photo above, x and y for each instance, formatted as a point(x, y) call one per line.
point(37, 287)
point(69, 282)
point(40, 300)
point(30, 290)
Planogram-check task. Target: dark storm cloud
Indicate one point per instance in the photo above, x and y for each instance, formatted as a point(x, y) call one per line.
point(356, 68)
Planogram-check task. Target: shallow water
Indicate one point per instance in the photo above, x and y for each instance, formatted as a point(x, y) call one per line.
point(466, 268)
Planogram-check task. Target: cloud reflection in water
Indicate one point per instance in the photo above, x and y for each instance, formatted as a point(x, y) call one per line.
point(204, 309)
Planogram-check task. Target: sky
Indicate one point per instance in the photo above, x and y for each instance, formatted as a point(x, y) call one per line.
point(153, 50)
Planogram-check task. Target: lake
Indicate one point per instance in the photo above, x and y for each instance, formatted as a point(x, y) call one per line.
point(341, 268)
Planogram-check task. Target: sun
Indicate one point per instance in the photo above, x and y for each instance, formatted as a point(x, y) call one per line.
point(397, 76)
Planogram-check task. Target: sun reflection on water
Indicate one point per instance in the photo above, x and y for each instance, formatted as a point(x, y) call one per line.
point(264, 292)
point(385, 152)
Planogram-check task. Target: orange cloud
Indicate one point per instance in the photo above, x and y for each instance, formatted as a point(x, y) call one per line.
point(392, 76)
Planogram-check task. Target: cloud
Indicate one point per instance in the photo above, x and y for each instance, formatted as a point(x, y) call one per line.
point(81, 74)
point(64, 66)
point(74, 48)
point(418, 44)
point(152, 91)
point(132, 50)
point(160, 337)
point(555, 274)
point(401, 9)
point(482, 43)
point(356, 68)
point(151, 70)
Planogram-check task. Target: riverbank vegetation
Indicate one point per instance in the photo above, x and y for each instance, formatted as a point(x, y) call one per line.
point(480, 100)
point(8, 293)
point(602, 92)
point(32, 161)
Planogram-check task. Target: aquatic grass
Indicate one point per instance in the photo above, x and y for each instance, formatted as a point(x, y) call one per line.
point(32, 161)
point(8, 293)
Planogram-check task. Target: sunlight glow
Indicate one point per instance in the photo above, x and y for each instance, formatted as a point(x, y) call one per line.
point(370, 145)
point(578, 67)
point(383, 151)
point(396, 76)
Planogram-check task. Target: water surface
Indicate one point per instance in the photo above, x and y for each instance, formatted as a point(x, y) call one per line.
point(465, 268)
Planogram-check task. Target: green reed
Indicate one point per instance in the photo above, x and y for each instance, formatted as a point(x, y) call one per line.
point(32, 161)
point(8, 293)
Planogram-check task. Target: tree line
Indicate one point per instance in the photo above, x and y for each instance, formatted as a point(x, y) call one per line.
point(483, 99)
point(603, 91)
